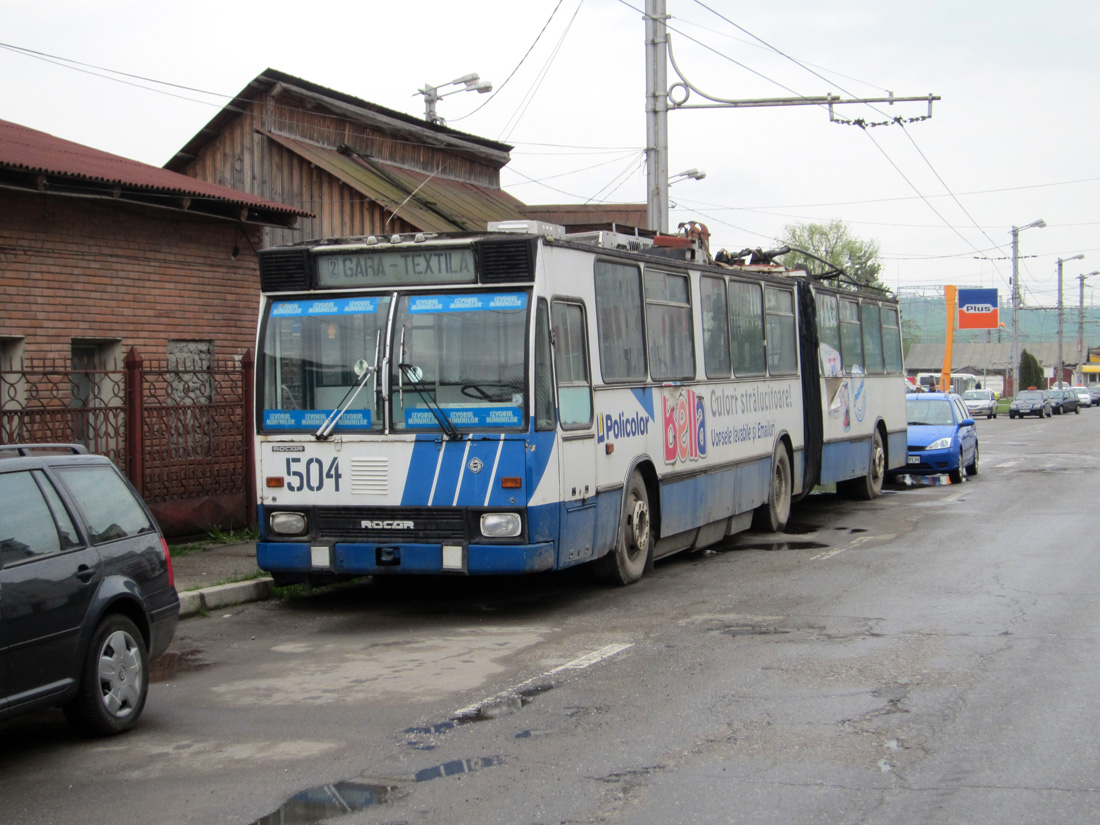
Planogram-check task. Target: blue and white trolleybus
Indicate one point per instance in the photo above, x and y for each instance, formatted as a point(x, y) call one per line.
point(521, 400)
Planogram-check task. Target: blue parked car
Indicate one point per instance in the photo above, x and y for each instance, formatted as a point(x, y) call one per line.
point(942, 436)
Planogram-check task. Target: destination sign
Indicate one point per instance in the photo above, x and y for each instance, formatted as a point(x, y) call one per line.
point(396, 267)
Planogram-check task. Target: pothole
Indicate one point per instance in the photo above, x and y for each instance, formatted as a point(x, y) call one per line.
point(323, 802)
point(172, 663)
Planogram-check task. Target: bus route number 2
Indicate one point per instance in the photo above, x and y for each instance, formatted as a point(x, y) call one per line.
point(310, 474)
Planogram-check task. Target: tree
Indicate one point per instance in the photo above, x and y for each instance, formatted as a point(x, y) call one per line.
point(835, 243)
point(1031, 374)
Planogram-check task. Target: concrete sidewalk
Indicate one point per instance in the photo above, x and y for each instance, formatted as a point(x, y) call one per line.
point(205, 579)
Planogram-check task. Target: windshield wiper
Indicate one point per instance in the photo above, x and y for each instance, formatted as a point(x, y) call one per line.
point(414, 374)
point(364, 371)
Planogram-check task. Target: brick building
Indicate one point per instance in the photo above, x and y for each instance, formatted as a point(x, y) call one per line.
point(108, 263)
point(99, 253)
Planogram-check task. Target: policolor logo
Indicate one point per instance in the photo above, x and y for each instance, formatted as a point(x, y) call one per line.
point(610, 427)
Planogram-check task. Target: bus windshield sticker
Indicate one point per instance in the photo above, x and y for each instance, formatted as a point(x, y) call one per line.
point(466, 417)
point(394, 267)
point(312, 419)
point(324, 306)
point(479, 302)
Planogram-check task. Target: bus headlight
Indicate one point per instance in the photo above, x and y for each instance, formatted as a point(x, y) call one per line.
point(501, 525)
point(288, 524)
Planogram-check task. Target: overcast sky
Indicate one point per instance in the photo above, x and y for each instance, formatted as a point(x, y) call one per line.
point(1013, 139)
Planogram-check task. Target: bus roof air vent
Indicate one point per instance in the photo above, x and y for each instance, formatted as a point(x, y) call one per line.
point(284, 270)
point(506, 260)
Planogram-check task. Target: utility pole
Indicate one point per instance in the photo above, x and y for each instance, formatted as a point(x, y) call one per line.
point(1016, 300)
point(1082, 357)
point(661, 98)
point(656, 115)
point(1061, 261)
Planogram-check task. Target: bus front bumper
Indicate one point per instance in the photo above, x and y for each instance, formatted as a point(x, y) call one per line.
point(352, 559)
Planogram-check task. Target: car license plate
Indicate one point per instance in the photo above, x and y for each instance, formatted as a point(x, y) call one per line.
point(914, 459)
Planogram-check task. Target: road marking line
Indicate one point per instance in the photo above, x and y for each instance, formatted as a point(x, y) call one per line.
point(580, 663)
point(828, 554)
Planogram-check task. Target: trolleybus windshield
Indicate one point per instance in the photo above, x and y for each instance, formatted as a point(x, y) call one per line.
point(455, 362)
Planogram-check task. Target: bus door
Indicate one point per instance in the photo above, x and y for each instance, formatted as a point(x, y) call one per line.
point(577, 438)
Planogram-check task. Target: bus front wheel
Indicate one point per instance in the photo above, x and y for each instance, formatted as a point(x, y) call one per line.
point(634, 544)
point(772, 515)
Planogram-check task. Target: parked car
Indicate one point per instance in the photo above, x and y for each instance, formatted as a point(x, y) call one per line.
point(1094, 393)
point(1030, 402)
point(942, 436)
point(1064, 401)
point(981, 402)
point(87, 597)
point(1083, 395)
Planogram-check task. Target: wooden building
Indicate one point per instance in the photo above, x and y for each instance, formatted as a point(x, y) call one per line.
point(359, 168)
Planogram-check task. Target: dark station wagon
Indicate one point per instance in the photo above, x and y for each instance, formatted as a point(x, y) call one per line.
point(87, 598)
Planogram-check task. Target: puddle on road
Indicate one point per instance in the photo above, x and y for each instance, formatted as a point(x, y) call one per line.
point(784, 545)
point(799, 529)
point(172, 663)
point(422, 735)
point(315, 805)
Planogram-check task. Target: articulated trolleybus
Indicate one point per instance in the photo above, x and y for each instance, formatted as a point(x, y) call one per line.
point(521, 400)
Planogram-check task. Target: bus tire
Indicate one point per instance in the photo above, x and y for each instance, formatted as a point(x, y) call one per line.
point(772, 515)
point(633, 548)
point(868, 486)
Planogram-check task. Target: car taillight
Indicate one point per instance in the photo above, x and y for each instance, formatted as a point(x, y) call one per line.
point(168, 561)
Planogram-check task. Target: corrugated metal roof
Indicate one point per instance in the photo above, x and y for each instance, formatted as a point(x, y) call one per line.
point(431, 203)
point(271, 80)
point(28, 150)
point(993, 356)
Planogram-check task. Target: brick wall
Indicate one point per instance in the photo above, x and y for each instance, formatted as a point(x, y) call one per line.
point(74, 268)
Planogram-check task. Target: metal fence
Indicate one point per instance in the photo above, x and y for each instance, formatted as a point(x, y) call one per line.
point(180, 429)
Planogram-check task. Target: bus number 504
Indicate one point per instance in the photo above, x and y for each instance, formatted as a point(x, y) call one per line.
point(312, 476)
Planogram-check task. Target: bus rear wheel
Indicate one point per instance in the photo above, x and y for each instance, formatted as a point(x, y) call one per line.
point(634, 544)
point(772, 515)
point(868, 486)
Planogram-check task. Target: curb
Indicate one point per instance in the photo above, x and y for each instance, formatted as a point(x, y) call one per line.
point(196, 602)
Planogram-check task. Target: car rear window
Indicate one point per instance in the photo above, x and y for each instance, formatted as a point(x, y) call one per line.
point(109, 506)
point(27, 526)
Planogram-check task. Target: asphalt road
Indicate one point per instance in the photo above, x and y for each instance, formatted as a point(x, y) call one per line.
point(929, 657)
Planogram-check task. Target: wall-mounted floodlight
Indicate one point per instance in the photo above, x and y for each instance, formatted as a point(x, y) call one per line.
point(467, 83)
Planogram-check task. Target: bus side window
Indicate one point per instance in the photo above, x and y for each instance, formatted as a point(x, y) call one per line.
point(546, 417)
point(851, 336)
point(571, 365)
point(716, 330)
point(782, 344)
point(669, 327)
point(828, 327)
point(872, 337)
point(619, 324)
point(891, 339)
point(747, 328)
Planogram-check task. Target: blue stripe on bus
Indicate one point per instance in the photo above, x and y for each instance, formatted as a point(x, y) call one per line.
point(645, 400)
point(446, 465)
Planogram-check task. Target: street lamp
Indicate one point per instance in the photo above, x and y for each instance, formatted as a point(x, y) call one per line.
point(1077, 257)
point(1016, 300)
point(468, 83)
point(687, 174)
